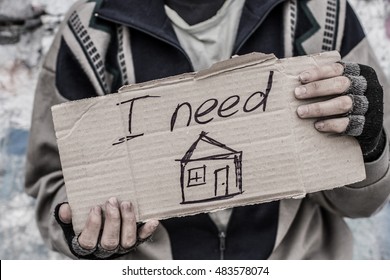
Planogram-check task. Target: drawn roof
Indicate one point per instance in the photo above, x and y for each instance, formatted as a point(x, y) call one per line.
point(225, 151)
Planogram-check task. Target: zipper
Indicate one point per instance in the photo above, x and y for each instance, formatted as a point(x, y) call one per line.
point(257, 25)
point(222, 245)
point(149, 33)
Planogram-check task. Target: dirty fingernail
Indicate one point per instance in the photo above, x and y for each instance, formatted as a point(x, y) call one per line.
point(304, 77)
point(154, 224)
point(300, 91)
point(97, 210)
point(319, 125)
point(113, 202)
point(302, 111)
point(126, 205)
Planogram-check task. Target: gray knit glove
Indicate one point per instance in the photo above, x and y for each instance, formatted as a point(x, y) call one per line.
point(97, 253)
point(366, 116)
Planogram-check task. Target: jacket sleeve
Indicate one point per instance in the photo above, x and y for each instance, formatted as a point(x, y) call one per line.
point(44, 180)
point(367, 197)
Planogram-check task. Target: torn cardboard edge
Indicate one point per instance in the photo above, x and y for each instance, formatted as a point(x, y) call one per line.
point(223, 137)
point(216, 69)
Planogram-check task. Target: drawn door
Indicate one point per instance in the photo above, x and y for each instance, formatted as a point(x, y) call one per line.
point(222, 181)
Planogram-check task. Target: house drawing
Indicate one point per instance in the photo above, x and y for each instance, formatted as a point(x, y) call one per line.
point(206, 177)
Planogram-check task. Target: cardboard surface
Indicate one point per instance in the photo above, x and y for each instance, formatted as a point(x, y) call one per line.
point(203, 141)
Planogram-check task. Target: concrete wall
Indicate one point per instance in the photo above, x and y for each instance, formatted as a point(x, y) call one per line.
point(19, 66)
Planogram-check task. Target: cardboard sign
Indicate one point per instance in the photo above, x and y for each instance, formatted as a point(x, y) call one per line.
point(198, 142)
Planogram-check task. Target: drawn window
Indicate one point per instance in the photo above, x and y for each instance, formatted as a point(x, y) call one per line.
point(196, 176)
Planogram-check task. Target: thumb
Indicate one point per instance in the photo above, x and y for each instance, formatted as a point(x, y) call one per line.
point(65, 213)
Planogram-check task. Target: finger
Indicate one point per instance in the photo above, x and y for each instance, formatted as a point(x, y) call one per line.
point(337, 125)
point(90, 234)
point(327, 87)
point(112, 225)
point(147, 229)
point(323, 72)
point(65, 213)
point(335, 106)
point(129, 225)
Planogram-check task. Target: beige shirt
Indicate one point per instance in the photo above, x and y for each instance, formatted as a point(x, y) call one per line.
point(212, 40)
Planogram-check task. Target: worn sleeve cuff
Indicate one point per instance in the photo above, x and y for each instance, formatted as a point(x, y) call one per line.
point(377, 169)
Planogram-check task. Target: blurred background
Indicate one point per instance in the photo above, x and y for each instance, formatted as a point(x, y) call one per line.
point(27, 28)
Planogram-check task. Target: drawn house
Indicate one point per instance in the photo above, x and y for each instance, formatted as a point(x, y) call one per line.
point(210, 170)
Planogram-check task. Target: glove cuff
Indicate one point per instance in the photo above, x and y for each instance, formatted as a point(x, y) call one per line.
point(372, 150)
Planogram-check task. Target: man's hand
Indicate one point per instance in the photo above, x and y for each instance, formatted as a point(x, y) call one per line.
point(354, 103)
point(325, 81)
point(102, 237)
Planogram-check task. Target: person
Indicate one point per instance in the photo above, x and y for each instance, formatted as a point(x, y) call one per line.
point(105, 44)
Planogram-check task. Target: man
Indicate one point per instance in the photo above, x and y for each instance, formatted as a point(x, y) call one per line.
point(105, 44)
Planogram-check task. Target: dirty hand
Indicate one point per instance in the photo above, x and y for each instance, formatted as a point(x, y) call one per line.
point(354, 107)
point(117, 236)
